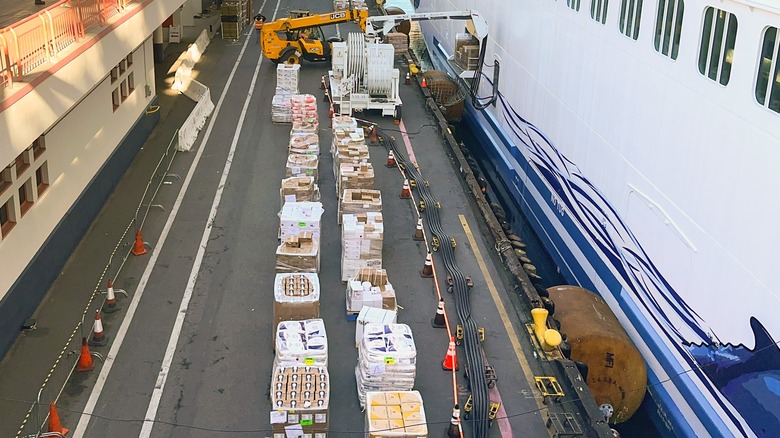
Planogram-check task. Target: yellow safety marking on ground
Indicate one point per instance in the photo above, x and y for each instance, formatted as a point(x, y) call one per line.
point(529, 376)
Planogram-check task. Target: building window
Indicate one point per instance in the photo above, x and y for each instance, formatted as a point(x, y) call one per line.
point(5, 179)
point(668, 27)
point(25, 197)
point(22, 163)
point(716, 52)
point(768, 80)
point(7, 219)
point(598, 10)
point(574, 4)
point(123, 90)
point(130, 82)
point(129, 59)
point(42, 178)
point(630, 14)
point(114, 74)
point(122, 66)
point(38, 147)
point(115, 98)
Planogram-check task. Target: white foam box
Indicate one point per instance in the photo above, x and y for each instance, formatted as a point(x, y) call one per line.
point(368, 315)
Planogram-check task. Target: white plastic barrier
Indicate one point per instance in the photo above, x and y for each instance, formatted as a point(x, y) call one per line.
point(189, 130)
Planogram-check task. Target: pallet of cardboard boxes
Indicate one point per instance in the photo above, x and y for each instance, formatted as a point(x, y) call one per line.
point(397, 414)
point(296, 297)
point(354, 201)
point(299, 401)
point(298, 253)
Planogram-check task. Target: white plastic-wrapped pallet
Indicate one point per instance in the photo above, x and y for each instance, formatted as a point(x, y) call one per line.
point(287, 78)
point(303, 111)
point(395, 415)
point(301, 343)
point(300, 216)
point(280, 108)
point(386, 359)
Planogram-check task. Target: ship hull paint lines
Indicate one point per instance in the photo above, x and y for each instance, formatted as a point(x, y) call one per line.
point(86, 415)
point(632, 223)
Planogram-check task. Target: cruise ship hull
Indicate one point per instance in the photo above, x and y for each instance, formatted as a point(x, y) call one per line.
point(702, 381)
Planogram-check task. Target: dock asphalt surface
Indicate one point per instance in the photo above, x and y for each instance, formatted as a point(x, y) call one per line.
point(218, 380)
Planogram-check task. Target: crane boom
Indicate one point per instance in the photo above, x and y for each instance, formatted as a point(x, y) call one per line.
point(382, 24)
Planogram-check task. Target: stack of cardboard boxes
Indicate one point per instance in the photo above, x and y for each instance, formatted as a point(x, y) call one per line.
point(296, 217)
point(298, 253)
point(355, 176)
point(398, 414)
point(296, 297)
point(286, 86)
point(361, 243)
point(369, 287)
point(299, 189)
point(302, 165)
point(354, 201)
point(299, 401)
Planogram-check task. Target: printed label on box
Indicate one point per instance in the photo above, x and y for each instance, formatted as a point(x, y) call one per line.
point(320, 418)
point(278, 417)
point(292, 418)
point(389, 360)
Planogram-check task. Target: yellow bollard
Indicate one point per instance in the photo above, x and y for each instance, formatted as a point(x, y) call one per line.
point(548, 338)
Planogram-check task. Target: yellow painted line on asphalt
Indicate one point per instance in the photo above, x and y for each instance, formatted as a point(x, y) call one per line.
point(513, 339)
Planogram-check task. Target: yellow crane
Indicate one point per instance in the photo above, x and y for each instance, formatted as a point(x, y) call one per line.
point(290, 39)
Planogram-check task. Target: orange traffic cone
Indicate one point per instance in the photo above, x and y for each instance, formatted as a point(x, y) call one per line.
point(453, 430)
point(427, 271)
point(390, 159)
point(418, 231)
point(438, 320)
point(99, 339)
point(110, 306)
point(85, 359)
point(139, 248)
point(450, 360)
point(405, 191)
point(54, 421)
point(424, 83)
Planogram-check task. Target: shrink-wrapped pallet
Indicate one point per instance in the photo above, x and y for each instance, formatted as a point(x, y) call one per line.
point(280, 108)
point(344, 122)
point(303, 110)
point(302, 165)
point(395, 415)
point(299, 397)
point(374, 279)
point(387, 359)
point(349, 136)
point(299, 189)
point(301, 343)
point(296, 297)
point(304, 143)
point(287, 78)
point(296, 217)
point(374, 315)
point(355, 201)
point(361, 246)
point(298, 253)
point(355, 176)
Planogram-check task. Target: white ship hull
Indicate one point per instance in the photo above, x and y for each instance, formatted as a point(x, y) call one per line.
point(642, 176)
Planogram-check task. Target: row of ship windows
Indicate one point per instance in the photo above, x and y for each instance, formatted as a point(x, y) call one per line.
point(126, 81)
point(716, 48)
point(24, 186)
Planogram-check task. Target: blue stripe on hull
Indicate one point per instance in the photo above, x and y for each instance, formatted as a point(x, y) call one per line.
point(32, 285)
point(482, 124)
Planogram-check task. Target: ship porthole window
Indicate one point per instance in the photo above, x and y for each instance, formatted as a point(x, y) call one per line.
point(716, 52)
point(630, 16)
point(598, 10)
point(768, 75)
point(668, 27)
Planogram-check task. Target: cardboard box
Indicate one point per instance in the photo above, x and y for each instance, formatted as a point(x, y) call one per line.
point(300, 396)
point(382, 415)
point(299, 189)
point(369, 315)
point(302, 165)
point(355, 201)
point(296, 297)
point(298, 253)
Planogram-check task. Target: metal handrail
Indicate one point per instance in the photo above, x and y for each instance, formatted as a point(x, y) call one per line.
point(39, 38)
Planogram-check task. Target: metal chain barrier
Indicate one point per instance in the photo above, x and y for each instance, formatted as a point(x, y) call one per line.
point(36, 420)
